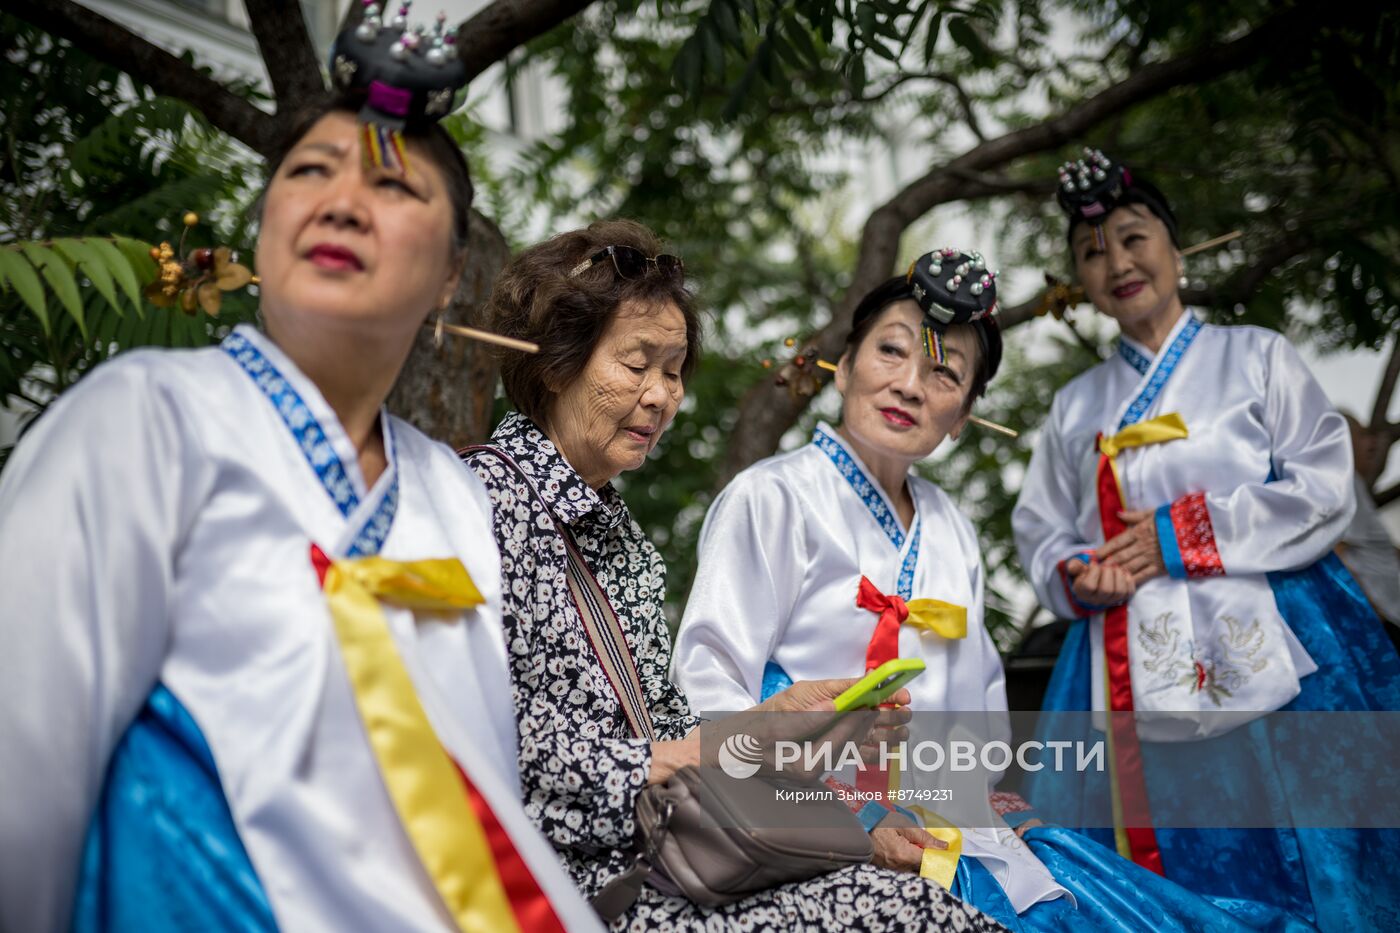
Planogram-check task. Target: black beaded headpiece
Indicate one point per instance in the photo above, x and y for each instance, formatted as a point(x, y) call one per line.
point(1090, 188)
point(952, 287)
point(407, 76)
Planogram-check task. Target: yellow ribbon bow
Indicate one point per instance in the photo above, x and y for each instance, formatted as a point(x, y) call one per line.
point(934, 615)
point(1159, 430)
point(427, 789)
point(939, 865)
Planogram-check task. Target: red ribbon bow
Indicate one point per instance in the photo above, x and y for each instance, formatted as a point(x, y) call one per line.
point(884, 644)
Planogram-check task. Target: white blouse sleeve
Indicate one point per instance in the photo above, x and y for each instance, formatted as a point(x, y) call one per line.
point(752, 557)
point(1045, 521)
point(94, 505)
point(1285, 524)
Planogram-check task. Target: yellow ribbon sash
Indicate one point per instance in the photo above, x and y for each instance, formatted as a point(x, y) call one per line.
point(934, 615)
point(422, 780)
point(1158, 430)
point(939, 865)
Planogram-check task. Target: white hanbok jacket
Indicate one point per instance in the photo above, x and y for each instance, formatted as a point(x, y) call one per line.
point(1262, 482)
point(155, 527)
point(782, 552)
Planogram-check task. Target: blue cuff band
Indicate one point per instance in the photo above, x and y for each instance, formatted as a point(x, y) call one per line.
point(1090, 608)
point(909, 815)
point(871, 814)
point(1166, 540)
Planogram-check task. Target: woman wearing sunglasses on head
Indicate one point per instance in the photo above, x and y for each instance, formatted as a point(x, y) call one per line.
point(252, 674)
point(838, 557)
point(618, 336)
point(1182, 506)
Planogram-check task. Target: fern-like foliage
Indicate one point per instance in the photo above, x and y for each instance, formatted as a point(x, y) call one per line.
point(93, 169)
point(37, 270)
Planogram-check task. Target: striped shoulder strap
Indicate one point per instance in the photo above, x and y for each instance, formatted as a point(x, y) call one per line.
point(600, 622)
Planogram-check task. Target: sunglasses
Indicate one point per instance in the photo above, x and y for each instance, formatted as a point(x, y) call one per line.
point(631, 263)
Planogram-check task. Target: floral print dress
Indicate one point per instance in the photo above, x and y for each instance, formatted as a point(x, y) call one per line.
point(581, 769)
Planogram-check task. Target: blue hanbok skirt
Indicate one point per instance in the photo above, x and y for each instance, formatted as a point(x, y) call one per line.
point(1338, 879)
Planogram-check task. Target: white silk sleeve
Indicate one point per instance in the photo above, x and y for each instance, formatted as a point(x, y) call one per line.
point(998, 724)
point(92, 510)
point(752, 557)
point(994, 675)
point(1298, 518)
point(1045, 520)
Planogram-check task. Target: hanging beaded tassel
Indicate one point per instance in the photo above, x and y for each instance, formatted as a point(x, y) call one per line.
point(382, 147)
point(933, 345)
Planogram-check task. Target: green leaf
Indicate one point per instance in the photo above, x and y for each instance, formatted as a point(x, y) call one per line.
point(20, 274)
point(739, 96)
point(855, 73)
point(120, 268)
point(802, 41)
point(866, 26)
point(712, 48)
point(961, 30)
point(882, 50)
point(60, 278)
point(726, 23)
point(688, 67)
point(84, 257)
point(935, 23)
point(138, 254)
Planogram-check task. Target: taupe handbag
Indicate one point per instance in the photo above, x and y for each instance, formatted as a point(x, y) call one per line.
point(713, 839)
point(702, 834)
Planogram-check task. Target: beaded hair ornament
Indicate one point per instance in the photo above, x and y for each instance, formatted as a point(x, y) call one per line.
point(952, 287)
point(1091, 187)
point(406, 75)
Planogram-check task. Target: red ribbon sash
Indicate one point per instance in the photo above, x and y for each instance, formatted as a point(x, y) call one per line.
point(1127, 753)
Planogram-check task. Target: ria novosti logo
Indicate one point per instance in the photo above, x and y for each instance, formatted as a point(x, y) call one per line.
point(741, 755)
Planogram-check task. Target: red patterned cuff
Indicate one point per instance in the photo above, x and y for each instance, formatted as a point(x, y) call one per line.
point(1195, 537)
point(1005, 801)
point(845, 793)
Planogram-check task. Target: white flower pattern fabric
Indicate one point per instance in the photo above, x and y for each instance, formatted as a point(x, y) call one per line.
point(581, 770)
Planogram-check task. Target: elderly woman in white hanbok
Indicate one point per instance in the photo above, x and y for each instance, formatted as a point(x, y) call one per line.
point(792, 540)
point(1183, 503)
point(208, 719)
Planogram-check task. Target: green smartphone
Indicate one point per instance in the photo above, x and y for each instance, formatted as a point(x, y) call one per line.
point(875, 687)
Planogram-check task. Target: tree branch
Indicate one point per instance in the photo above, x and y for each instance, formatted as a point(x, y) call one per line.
point(991, 185)
point(490, 35)
point(1381, 408)
point(965, 103)
point(767, 412)
point(286, 50)
point(1387, 496)
point(149, 64)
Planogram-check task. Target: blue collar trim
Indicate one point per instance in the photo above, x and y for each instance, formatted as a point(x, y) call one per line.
point(315, 446)
point(906, 569)
point(1134, 359)
point(1169, 360)
point(864, 488)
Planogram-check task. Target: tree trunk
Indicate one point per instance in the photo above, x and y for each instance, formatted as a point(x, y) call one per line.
point(447, 392)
